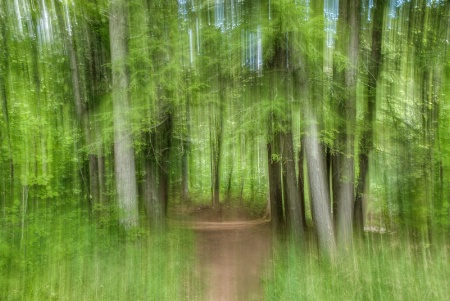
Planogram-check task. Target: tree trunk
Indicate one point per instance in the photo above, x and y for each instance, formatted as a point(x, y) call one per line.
point(164, 145)
point(152, 200)
point(216, 164)
point(216, 146)
point(274, 170)
point(301, 182)
point(101, 178)
point(345, 167)
point(185, 171)
point(186, 143)
point(320, 200)
point(366, 145)
point(295, 221)
point(124, 163)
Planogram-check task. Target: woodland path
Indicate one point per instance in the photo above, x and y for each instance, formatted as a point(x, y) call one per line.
point(231, 258)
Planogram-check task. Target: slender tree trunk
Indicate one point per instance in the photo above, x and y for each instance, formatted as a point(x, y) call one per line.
point(216, 175)
point(185, 145)
point(185, 171)
point(124, 163)
point(283, 164)
point(165, 142)
point(335, 176)
point(301, 183)
point(216, 146)
point(101, 178)
point(185, 168)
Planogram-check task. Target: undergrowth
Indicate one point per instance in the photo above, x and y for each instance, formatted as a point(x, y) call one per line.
point(381, 267)
point(67, 256)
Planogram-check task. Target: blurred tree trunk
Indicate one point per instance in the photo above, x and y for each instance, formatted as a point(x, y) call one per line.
point(124, 163)
point(301, 182)
point(366, 144)
point(152, 200)
point(164, 145)
point(274, 170)
point(216, 122)
point(347, 109)
point(185, 145)
point(295, 220)
point(320, 202)
point(282, 79)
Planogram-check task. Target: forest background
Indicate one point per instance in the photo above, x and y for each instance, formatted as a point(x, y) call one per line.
point(115, 114)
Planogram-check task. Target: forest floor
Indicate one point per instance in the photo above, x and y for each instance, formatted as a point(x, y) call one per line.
point(232, 252)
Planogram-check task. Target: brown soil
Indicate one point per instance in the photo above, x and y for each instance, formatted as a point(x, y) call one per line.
point(233, 248)
point(231, 258)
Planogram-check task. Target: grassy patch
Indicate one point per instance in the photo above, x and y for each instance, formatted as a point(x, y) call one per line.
point(68, 257)
point(380, 268)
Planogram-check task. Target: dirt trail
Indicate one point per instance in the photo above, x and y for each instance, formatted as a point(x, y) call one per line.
point(231, 258)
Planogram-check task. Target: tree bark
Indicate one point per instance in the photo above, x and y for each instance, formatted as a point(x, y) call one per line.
point(124, 161)
point(186, 144)
point(216, 145)
point(164, 145)
point(152, 201)
point(366, 144)
point(295, 221)
point(274, 170)
point(320, 199)
point(347, 109)
point(301, 182)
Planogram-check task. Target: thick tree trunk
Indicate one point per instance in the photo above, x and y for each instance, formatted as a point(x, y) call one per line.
point(274, 170)
point(295, 219)
point(124, 163)
point(275, 193)
point(320, 199)
point(152, 201)
point(366, 145)
point(345, 202)
point(345, 167)
point(150, 195)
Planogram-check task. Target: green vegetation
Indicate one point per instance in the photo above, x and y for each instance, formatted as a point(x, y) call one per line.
point(117, 114)
point(382, 267)
point(69, 257)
